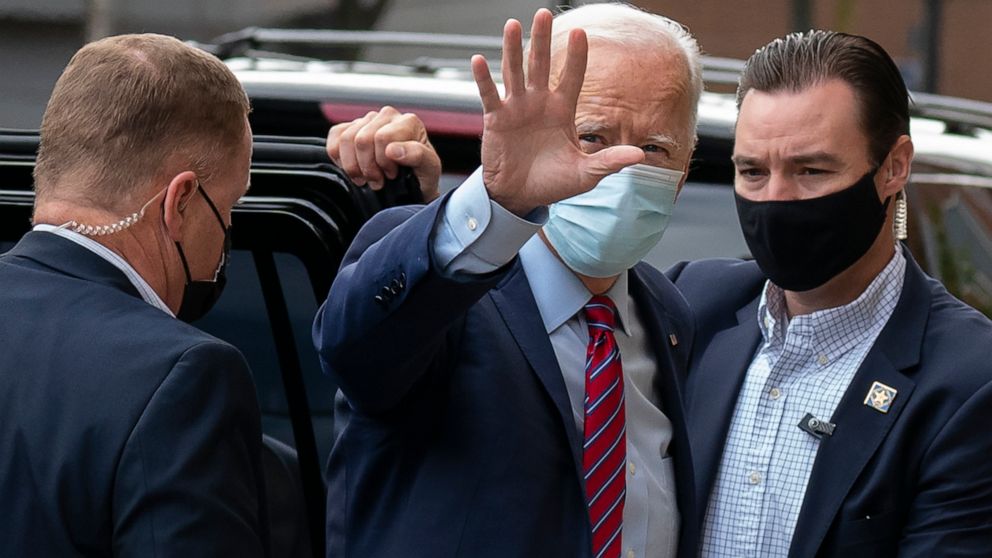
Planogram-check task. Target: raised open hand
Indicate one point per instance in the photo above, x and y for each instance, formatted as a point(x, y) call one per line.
point(530, 150)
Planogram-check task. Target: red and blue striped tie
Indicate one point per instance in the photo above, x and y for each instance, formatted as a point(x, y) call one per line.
point(604, 453)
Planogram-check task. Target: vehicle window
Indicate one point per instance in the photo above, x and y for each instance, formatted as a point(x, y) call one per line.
point(703, 225)
point(240, 318)
point(950, 233)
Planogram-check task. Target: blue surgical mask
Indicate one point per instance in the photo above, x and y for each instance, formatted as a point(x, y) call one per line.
point(608, 229)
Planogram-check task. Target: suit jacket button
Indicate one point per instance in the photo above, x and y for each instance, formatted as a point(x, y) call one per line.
point(380, 301)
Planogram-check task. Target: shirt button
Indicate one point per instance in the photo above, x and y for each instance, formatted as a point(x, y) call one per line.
point(630, 553)
point(472, 224)
point(822, 359)
point(754, 477)
point(632, 468)
point(775, 393)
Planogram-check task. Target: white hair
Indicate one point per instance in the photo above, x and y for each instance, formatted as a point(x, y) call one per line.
point(630, 27)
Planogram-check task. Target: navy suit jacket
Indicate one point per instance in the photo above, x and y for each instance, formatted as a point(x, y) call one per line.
point(460, 439)
point(916, 481)
point(124, 432)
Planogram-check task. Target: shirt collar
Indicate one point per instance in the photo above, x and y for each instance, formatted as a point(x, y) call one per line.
point(559, 293)
point(144, 289)
point(859, 316)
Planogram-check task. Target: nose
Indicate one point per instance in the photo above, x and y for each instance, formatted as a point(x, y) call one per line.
point(780, 187)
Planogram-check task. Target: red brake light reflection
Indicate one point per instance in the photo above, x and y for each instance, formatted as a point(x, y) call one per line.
point(451, 123)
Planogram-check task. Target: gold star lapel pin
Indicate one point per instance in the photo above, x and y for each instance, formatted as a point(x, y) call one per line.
point(880, 397)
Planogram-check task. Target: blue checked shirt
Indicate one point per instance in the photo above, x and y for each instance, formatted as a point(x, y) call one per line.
point(803, 366)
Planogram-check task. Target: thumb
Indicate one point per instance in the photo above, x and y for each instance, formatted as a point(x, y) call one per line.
point(422, 159)
point(608, 161)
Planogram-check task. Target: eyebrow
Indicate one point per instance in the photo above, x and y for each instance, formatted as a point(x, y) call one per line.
point(817, 157)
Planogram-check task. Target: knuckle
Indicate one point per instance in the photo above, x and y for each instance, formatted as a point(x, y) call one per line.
point(364, 140)
point(409, 119)
point(383, 136)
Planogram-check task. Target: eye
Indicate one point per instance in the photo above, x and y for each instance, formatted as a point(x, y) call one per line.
point(813, 171)
point(592, 138)
point(750, 172)
point(652, 148)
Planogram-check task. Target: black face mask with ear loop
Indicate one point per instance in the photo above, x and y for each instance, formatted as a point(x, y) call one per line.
point(801, 244)
point(200, 296)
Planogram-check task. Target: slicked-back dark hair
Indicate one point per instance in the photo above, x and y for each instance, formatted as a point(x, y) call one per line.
point(799, 61)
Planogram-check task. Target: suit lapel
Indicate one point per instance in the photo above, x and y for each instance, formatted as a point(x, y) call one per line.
point(650, 304)
point(515, 303)
point(715, 381)
point(861, 429)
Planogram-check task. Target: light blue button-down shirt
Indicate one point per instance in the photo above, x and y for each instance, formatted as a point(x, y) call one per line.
point(803, 366)
point(477, 235)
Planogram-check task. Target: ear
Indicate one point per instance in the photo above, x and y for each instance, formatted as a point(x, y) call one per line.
point(896, 167)
point(178, 194)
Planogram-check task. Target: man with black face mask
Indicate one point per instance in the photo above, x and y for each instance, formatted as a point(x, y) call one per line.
point(838, 398)
point(126, 431)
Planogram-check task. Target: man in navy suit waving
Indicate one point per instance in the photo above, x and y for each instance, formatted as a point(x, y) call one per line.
point(838, 397)
point(510, 374)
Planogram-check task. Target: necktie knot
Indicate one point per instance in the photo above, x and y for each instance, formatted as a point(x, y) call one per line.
point(601, 313)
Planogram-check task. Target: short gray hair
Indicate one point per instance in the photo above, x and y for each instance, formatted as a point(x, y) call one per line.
point(628, 26)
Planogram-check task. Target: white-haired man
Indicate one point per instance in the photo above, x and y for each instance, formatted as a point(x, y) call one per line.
point(512, 374)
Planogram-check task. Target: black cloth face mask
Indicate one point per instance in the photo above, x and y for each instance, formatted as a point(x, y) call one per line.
point(801, 244)
point(200, 296)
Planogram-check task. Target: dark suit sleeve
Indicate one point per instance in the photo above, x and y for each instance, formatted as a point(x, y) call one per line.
point(388, 314)
point(189, 478)
point(952, 513)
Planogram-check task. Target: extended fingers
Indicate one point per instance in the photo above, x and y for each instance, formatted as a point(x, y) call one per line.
point(513, 68)
point(539, 61)
point(574, 70)
point(488, 92)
